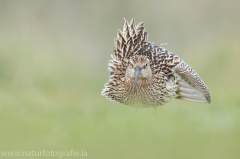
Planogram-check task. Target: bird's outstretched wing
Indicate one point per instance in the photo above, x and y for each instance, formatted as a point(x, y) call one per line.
point(191, 86)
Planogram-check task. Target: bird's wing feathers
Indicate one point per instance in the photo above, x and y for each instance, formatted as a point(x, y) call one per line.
point(191, 86)
point(128, 41)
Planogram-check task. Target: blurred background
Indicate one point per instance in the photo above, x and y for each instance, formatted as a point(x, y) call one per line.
point(53, 65)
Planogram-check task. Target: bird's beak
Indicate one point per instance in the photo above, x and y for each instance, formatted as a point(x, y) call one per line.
point(137, 70)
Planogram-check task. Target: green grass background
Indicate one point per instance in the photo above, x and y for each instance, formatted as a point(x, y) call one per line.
point(53, 65)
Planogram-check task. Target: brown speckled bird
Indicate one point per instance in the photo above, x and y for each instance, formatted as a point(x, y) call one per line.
point(144, 74)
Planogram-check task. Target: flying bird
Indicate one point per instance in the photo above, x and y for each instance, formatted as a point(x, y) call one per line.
point(145, 74)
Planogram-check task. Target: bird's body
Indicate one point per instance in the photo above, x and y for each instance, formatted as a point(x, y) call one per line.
point(144, 74)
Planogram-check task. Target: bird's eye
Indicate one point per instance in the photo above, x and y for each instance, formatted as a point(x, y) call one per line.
point(146, 65)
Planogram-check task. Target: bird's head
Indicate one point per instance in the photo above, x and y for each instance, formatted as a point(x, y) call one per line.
point(139, 68)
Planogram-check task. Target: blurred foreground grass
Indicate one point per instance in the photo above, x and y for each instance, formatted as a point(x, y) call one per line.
point(50, 97)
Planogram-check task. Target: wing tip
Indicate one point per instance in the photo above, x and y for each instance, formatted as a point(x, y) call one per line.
point(208, 99)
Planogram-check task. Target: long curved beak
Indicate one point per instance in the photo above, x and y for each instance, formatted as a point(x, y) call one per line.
point(137, 70)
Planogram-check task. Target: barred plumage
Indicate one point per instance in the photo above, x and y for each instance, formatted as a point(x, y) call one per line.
point(144, 74)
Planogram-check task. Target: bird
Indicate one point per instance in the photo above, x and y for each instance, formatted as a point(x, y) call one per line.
point(144, 74)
